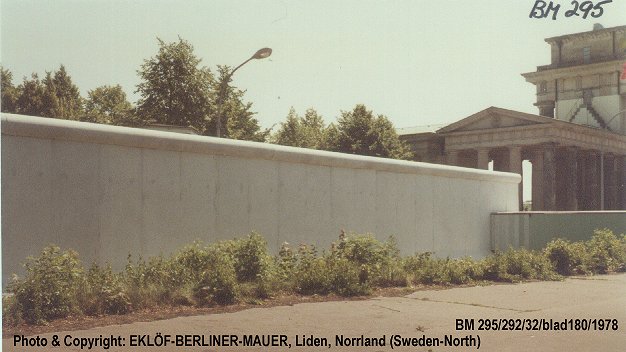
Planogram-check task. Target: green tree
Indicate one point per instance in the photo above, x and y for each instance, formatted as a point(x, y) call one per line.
point(54, 96)
point(304, 132)
point(330, 137)
point(237, 117)
point(314, 129)
point(32, 97)
point(175, 89)
point(62, 98)
point(359, 132)
point(108, 104)
point(290, 132)
point(8, 91)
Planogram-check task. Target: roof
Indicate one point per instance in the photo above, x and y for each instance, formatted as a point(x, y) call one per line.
point(592, 32)
point(420, 129)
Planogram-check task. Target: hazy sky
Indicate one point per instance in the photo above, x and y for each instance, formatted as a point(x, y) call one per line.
point(418, 62)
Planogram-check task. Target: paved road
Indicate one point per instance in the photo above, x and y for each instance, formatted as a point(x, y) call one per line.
point(428, 315)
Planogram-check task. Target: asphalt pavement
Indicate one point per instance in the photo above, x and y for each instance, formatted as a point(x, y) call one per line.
point(578, 314)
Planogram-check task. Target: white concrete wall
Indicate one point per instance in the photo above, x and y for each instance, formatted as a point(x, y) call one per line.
point(109, 191)
point(607, 107)
point(566, 107)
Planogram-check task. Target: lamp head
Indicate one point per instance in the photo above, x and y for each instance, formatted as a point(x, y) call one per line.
point(262, 53)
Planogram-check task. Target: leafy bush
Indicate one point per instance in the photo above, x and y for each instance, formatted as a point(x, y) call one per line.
point(155, 282)
point(11, 313)
point(380, 262)
point(50, 287)
point(427, 270)
point(193, 261)
point(346, 277)
point(218, 283)
point(607, 253)
point(103, 293)
point(518, 265)
point(463, 271)
point(603, 253)
point(225, 272)
point(251, 257)
point(311, 272)
point(567, 258)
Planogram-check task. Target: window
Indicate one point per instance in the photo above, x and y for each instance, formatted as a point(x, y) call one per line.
point(587, 54)
point(543, 87)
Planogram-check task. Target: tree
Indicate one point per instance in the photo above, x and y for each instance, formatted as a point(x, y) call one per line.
point(63, 99)
point(237, 117)
point(359, 132)
point(31, 99)
point(175, 89)
point(290, 131)
point(55, 96)
point(108, 104)
point(304, 132)
point(9, 92)
point(314, 129)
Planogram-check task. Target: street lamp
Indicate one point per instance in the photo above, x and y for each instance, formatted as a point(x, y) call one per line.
point(606, 128)
point(260, 54)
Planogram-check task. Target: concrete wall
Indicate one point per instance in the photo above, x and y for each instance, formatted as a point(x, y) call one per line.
point(533, 230)
point(108, 191)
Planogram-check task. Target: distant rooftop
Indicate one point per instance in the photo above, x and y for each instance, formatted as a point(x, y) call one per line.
point(420, 129)
point(598, 29)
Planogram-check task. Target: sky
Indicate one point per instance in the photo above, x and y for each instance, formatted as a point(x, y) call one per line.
point(416, 62)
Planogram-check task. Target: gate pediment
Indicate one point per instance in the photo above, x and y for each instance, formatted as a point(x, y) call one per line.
point(495, 118)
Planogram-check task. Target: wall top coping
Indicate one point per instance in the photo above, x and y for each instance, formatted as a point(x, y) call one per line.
point(530, 213)
point(84, 132)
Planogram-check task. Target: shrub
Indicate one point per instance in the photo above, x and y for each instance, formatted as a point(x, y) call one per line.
point(607, 253)
point(380, 262)
point(518, 265)
point(427, 270)
point(311, 272)
point(346, 277)
point(218, 283)
point(464, 271)
point(193, 260)
point(103, 292)
point(50, 287)
point(224, 272)
point(11, 313)
point(251, 257)
point(152, 283)
point(567, 258)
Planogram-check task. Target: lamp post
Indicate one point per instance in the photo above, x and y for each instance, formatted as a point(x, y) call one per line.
point(260, 54)
point(606, 128)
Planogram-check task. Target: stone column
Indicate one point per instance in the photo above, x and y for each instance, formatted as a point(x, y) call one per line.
point(549, 178)
point(515, 166)
point(537, 191)
point(501, 160)
point(583, 201)
point(570, 178)
point(483, 158)
point(452, 157)
point(610, 186)
point(621, 181)
point(593, 180)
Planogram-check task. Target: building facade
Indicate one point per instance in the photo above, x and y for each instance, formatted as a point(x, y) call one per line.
point(577, 143)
